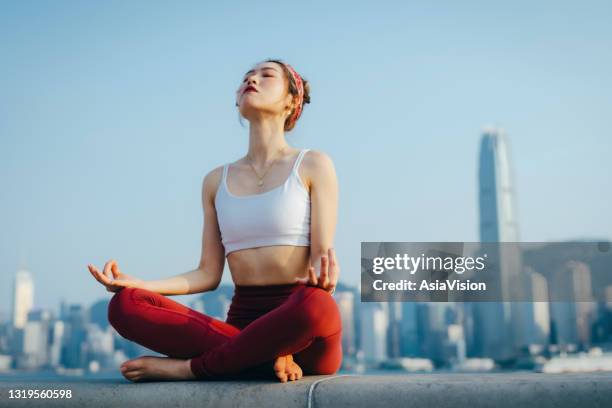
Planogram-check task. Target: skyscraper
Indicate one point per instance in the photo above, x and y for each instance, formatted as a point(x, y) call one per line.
point(498, 215)
point(497, 322)
point(23, 297)
point(573, 317)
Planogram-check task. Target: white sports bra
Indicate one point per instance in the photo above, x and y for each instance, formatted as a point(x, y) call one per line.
point(280, 216)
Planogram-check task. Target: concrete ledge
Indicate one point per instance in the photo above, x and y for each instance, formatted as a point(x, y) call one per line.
point(410, 390)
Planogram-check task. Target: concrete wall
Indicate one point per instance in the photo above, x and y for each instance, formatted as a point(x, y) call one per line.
point(413, 390)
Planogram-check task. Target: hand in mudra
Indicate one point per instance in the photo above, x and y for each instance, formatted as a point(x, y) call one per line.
point(113, 279)
point(330, 270)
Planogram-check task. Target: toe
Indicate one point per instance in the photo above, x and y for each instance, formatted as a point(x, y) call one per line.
point(280, 364)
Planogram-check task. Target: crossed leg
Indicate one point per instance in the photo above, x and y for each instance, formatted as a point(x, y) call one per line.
point(306, 325)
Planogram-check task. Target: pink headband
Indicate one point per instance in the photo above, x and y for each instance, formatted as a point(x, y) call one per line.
point(300, 88)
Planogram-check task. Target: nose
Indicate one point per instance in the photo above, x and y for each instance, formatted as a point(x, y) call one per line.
point(251, 78)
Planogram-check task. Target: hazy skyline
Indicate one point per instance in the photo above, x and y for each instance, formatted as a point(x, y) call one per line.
point(112, 113)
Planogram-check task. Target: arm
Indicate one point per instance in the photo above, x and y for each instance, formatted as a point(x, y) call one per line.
point(207, 275)
point(324, 206)
point(184, 284)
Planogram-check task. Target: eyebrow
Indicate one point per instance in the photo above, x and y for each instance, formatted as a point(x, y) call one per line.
point(252, 70)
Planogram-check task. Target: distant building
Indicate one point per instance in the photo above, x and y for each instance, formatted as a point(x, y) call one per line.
point(374, 326)
point(23, 298)
point(536, 316)
point(74, 347)
point(410, 330)
point(496, 324)
point(572, 317)
point(35, 340)
point(346, 305)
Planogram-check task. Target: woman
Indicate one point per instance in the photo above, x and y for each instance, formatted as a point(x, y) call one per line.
point(272, 214)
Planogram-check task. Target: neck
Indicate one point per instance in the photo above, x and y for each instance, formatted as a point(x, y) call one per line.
point(266, 140)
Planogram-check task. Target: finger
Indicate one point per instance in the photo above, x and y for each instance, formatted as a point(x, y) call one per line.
point(91, 272)
point(334, 282)
point(122, 283)
point(333, 267)
point(312, 275)
point(115, 270)
point(107, 269)
point(324, 281)
point(103, 279)
point(96, 276)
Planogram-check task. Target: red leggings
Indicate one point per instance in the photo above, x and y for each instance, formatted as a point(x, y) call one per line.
point(263, 322)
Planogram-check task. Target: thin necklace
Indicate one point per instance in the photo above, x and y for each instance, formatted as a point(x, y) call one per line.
point(260, 179)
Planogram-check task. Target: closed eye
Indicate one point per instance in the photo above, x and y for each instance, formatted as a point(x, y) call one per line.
point(244, 80)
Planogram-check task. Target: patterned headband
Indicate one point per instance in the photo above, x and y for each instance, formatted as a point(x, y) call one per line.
point(300, 88)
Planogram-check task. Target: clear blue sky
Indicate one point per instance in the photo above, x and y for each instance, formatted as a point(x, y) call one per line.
point(112, 112)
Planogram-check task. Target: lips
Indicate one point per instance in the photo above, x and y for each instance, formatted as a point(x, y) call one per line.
point(249, 88)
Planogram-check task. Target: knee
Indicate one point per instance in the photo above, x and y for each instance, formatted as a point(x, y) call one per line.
point(324, 356)
point(330, 369)
point(320, 309)
point(119, 306)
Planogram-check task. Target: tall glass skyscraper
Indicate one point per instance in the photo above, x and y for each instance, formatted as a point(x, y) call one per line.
point(498, 215)
point(497, 324)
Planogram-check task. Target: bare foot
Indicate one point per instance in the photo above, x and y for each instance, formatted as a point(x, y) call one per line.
point(156, 368)
point(286, 369)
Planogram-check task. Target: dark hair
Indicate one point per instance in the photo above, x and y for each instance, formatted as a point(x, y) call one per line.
point(290, 124)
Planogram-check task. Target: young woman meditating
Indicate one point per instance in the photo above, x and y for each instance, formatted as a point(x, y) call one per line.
point(272, 214)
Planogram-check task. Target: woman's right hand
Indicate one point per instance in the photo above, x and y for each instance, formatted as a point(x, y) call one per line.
point(113, 279)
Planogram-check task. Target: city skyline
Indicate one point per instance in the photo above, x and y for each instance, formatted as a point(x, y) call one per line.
point(138, 103)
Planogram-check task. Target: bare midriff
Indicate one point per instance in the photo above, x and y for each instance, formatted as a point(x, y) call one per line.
point(270, 265)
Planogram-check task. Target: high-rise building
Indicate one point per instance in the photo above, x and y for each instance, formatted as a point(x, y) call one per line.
point(411, 346)
point(572, 317)
point(35, 339)
point(374, 326)
point(56, 339)
point(346, 305)
point(497, 210)
point(536, 322)
point(23, 297)
point(497, 324)
point(74, 352)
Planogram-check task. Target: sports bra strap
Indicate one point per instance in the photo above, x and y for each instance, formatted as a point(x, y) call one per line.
point(296, 165)
point(224, 177)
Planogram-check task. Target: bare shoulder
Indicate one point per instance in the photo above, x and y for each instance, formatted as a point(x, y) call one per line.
point(210, 184)
point(318, 161)
point(317, 165)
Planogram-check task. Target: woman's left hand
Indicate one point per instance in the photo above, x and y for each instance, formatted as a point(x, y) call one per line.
point(330, 270)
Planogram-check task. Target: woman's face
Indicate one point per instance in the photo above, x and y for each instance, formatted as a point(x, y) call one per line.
point(270, 93)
